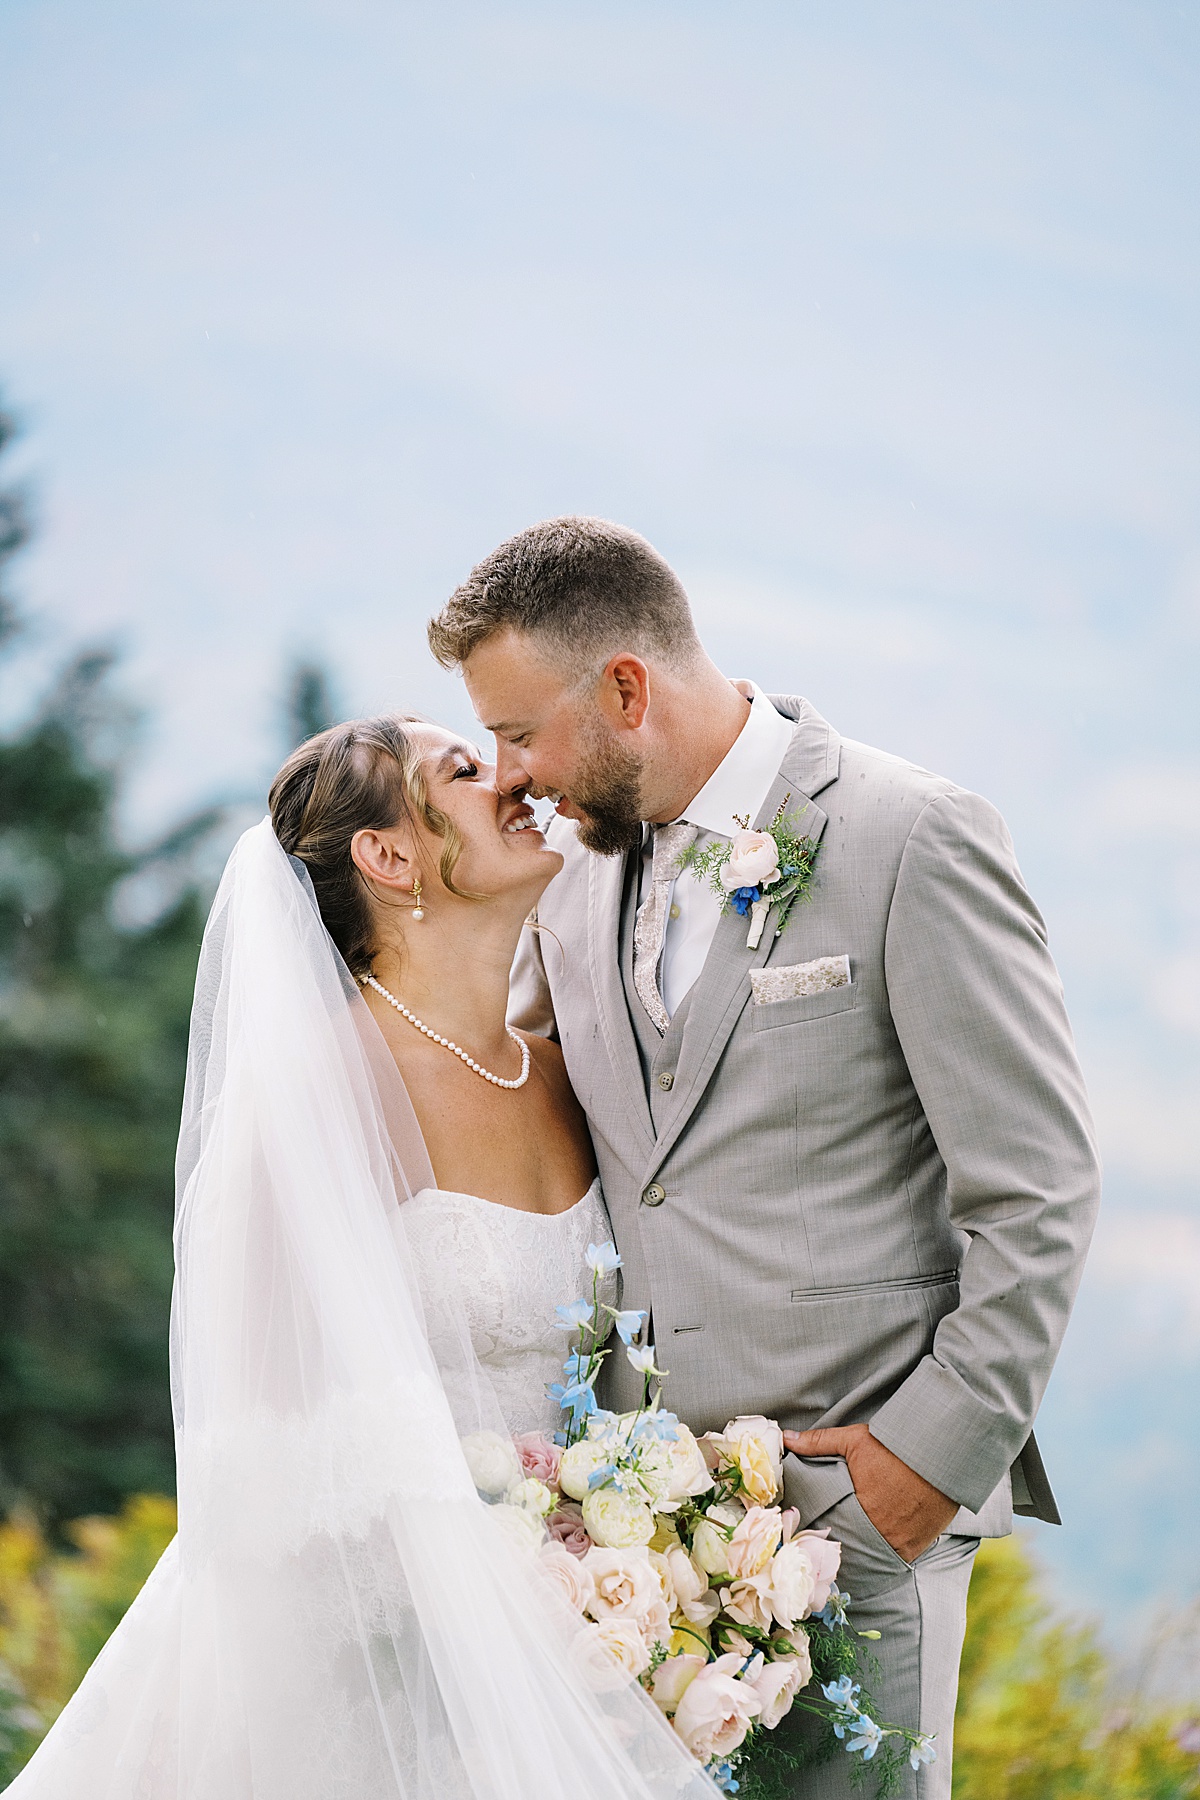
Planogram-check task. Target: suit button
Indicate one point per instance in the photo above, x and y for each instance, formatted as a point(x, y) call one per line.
point(666, 1080)
point(653, 1195)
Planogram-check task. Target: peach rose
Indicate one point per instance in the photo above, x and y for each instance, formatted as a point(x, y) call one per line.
point(749, 1600)
point(567, 1575)
point(754, 1541)
point(716, 1711)
point(672, 1679)
point(626, 1585)
point(753, 1446)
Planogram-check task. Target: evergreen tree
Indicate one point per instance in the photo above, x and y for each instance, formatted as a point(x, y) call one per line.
point(93, 1033)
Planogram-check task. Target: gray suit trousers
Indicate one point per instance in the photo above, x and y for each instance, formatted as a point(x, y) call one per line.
point(920, 1609)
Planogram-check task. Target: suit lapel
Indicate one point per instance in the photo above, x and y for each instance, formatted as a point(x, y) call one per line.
point(723, 988)
point(606, 883)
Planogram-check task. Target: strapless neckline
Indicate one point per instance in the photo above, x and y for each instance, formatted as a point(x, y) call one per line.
point(520, 1212)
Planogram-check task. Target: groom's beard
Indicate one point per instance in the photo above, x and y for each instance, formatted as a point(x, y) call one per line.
point(609, 794)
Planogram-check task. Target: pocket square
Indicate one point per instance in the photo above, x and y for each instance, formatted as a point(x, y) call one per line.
point(800, 978)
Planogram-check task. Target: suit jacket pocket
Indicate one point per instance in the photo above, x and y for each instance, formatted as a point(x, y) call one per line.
point(802, 1007)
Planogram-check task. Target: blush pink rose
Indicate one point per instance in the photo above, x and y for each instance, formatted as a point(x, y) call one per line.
point(716, 1711)
point(539, 1457)
point(754, 1541)
point(777, 1684)
point(566, 1527)
point(825, 1556)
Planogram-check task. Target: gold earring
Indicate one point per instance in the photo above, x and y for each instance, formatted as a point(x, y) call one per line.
point(418, 909)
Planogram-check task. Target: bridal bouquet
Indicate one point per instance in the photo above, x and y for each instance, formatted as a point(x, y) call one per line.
point(692, 1578)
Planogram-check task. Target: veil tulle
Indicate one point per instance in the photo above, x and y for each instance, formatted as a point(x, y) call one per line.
point(340, 1617)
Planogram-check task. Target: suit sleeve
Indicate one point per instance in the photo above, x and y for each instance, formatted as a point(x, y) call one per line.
point(978, 1008)
point(530, 1004)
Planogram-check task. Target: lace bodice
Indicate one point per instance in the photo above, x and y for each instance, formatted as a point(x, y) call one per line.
point(512, 1268)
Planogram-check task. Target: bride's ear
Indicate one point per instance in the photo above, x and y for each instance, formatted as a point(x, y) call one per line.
point(382, 858)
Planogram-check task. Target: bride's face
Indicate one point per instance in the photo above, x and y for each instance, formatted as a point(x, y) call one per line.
point(503, 852)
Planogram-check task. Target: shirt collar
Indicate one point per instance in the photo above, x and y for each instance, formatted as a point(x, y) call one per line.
point(740, 784)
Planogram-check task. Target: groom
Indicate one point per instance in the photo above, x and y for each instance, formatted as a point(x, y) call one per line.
point(850, 1169)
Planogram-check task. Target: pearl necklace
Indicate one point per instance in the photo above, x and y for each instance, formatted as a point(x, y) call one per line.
point(496, 1080)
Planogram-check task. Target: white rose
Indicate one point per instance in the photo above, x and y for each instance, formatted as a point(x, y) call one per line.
point(525, 1529)
point(614, 1651)
point(716, 1711)
point(793, 1583)
point(567, 1575)
point(578, 1464)
point(689, 1583)
point(753, 861)
point(533, 1495)
point(777, 1684)
point(615, 1521)
point(710, 1547)
point(689, 1476)
point(492, 1461)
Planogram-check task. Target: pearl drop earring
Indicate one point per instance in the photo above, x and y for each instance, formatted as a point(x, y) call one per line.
point(418, 909)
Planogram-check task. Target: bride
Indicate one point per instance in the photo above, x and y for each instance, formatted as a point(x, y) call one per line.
point(382, 1195)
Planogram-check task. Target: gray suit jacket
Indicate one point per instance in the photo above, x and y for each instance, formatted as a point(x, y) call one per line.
point(878, 1199)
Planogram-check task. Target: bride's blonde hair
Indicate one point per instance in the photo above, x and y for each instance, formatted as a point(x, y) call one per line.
point(364, 775)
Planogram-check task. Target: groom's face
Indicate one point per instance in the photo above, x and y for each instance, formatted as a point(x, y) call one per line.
point(556, 741)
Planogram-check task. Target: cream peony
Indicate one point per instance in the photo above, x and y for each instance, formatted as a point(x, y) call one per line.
point(777, 1684)
point(710, 1547)
point(567, 1576)
point(716, 1711)
point(672, 1679)
point(615, 1521)
point(577, 1465)
point(754, 1541)
point(753, 861)
point(492, 1461)
point(754, 1447)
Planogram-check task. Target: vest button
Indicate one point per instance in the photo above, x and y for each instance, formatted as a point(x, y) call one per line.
point(654, 1195)
point(666, 1080)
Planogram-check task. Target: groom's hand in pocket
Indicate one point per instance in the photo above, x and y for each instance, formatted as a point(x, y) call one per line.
point(903, 1507)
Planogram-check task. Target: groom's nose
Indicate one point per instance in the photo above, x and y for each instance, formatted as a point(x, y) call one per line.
point(512, 777)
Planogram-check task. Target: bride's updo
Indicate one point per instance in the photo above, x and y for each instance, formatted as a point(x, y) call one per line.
point(364, 775)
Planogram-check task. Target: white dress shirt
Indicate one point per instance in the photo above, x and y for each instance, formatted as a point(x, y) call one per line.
point(739, 784)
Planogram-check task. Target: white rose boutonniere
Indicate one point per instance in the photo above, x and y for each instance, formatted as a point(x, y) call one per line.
point(757, 870)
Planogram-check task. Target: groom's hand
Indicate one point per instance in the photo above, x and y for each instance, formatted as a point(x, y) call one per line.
point(902, 1506)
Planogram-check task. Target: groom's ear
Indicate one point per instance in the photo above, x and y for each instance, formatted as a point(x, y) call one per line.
point(624, 692)
point(380, 856)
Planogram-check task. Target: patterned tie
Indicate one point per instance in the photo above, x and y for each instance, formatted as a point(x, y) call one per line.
point(650, 929)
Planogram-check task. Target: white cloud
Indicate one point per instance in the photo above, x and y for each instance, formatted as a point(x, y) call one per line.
point(1149, 1264)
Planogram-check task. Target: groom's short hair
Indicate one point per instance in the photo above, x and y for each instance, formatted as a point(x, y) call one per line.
point(585, 586)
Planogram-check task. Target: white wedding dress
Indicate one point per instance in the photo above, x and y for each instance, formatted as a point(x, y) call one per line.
point(511, 1269)
point(340, 1616)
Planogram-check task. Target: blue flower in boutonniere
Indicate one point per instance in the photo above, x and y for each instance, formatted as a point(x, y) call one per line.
point(757, 870)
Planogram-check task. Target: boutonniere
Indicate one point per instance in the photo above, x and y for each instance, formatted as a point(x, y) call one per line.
point(757, 870)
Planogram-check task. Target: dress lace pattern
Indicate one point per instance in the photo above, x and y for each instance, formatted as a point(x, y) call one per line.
point(511, 1269)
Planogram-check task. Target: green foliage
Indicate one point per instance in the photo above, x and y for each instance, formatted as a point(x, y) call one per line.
point(1036, 1717)
point(57, 1609)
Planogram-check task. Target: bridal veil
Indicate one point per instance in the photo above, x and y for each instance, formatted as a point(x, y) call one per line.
point(340, 1617)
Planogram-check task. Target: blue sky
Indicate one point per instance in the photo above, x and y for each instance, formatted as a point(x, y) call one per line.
point(881, 321)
